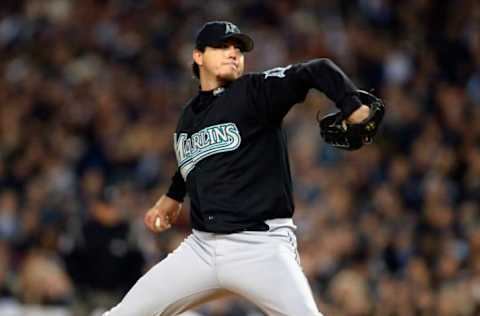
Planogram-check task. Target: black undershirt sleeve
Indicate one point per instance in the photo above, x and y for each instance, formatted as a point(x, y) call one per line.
point(177, 190)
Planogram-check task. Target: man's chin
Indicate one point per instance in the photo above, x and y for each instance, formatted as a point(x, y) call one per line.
point(228, 77)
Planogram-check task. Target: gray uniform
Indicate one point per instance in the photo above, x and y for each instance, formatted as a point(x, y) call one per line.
point(260, 266)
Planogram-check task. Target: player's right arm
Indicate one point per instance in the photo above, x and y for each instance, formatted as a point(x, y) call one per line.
point(166, 210)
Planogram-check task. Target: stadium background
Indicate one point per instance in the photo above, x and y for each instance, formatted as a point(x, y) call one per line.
point(90, 92)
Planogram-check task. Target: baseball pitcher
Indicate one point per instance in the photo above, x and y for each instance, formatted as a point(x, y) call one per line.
point(233, 163)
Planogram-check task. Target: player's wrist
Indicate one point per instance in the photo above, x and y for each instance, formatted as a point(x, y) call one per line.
point(359, 115)
point(167, 202)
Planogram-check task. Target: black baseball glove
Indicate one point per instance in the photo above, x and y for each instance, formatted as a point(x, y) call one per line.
point(337, 132)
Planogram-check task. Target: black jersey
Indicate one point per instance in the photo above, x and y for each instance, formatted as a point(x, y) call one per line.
point(231, 151)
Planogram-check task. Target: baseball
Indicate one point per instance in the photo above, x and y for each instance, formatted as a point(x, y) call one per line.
point(157, 223)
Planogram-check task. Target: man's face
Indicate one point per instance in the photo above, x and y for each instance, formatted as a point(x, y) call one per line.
point(225, 61)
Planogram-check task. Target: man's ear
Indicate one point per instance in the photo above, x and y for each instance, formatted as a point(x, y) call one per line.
point(197, 57)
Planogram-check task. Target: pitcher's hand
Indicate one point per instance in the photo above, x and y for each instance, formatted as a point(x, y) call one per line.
point(163, 214)
point(359, 115)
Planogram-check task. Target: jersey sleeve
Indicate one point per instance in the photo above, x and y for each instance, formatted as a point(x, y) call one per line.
point(275, 91)
point(177, 190)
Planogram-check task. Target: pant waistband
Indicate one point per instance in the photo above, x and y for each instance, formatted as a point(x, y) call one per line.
point(280, 222)
point(270, 225)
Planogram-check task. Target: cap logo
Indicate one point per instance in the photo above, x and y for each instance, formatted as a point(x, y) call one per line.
point(230, 28)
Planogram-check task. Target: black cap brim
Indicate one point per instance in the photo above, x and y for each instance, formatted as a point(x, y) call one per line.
point(244, 39)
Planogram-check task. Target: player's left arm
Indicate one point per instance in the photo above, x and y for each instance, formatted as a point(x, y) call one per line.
point(275, 91)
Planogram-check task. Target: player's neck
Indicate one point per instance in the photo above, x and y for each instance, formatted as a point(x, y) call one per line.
point(209, 83)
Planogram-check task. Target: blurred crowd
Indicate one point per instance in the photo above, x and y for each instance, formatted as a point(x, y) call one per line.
point(90, 91)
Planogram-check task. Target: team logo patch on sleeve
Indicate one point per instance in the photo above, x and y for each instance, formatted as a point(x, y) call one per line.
point(278, 72)
point(206, 142)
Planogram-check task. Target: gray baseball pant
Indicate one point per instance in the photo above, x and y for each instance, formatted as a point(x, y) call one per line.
point(262, 267)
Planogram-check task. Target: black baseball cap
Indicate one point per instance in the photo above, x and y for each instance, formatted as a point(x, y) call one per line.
point(217, 32)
